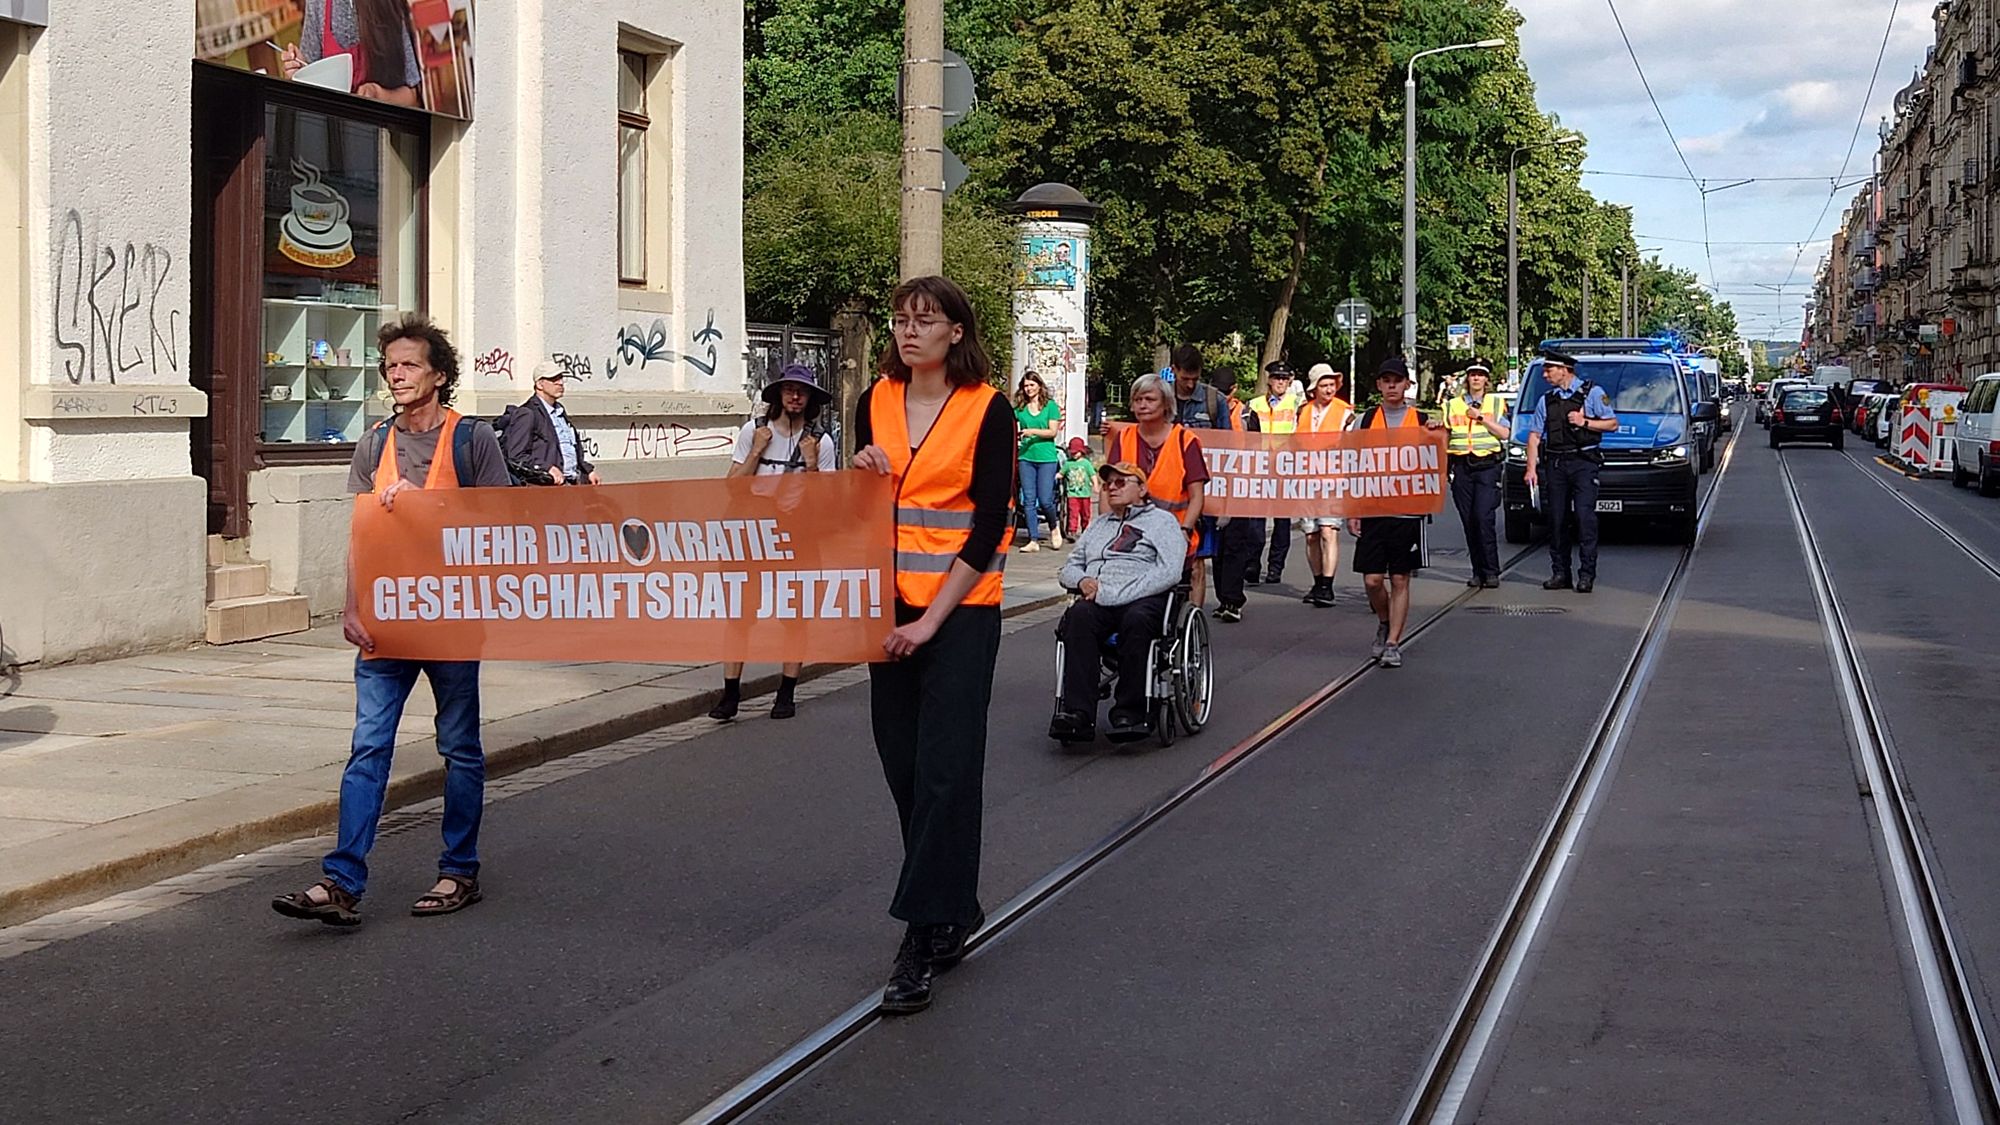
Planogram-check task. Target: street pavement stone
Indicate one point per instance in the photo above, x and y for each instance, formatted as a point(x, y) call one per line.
point(110, 772)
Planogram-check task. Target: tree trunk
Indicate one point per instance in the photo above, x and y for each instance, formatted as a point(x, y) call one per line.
point(854, 365)
point(1281, 311)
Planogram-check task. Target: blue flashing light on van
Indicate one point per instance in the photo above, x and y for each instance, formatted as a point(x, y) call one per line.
point(1652, 461)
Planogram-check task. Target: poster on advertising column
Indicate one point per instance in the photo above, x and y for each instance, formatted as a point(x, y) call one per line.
point(798, 567)
point(1349, 473)
point(414, 53)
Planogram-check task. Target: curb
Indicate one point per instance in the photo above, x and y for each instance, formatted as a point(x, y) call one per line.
point(530, 744)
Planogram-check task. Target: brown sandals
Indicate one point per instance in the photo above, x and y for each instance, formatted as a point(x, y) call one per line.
point(464, 892)
point(338, 909)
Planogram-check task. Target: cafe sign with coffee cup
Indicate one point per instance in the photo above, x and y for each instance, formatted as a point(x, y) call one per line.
point(315, 231)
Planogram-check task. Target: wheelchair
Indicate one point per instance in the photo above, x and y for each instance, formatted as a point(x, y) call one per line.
point(1181, 684)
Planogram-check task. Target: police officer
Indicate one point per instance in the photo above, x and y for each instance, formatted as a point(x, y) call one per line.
point(1277, 412)
point(1570, 420)
point(1476, 422)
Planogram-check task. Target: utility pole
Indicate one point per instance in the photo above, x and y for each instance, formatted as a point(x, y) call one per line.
point(1410, 194)
point(923, 138)
point(1586, 300)
point(1624, 297)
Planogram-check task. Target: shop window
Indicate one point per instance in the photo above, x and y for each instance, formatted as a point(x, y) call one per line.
point(634, 125)
point(342, 239)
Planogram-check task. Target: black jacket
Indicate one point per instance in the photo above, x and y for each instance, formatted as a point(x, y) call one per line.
point(528, 436)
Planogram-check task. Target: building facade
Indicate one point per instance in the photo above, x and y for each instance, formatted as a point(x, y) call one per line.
point(198, 256)
point(1914, 296)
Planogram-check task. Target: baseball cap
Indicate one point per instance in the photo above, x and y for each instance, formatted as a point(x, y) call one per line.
point(1120, 468)
point(1393, 367)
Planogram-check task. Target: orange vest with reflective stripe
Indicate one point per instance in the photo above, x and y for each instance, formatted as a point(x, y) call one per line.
point(1167, 483)
point(1335, 419)
point(443, 473)
point(1379, 421)
point(933, 490)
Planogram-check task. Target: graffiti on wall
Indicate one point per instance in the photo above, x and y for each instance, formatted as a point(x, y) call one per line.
point(109, 318)
point(639, 348)
point(709, 336)
point(654, 441)
point(497, 363)
point(572, 366)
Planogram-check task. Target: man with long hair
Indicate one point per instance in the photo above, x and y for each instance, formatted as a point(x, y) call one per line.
point(425, 442)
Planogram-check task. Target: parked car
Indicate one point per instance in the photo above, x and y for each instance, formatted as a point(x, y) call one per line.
point(1706, 429)
point(1870, 412)
point(1770, 397)
point(1808, 413)
point(1882, 421)
point(1975, 448)
point(1851, 395)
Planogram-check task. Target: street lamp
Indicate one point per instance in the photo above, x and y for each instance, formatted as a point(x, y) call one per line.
point(1410, 191)
point(1513, 250)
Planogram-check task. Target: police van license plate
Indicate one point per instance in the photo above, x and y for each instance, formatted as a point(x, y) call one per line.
point(1611, 505)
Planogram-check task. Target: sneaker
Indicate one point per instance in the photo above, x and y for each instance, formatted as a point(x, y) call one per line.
point(1392, 656)
point(1229, 613)
point(1322, 594)
point(1031, 546)
point(1055, 539)
point(1491, 583)
point(1273, 577)
point(1381, 644)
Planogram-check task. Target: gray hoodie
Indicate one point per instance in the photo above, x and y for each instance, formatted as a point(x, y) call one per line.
point(1133, 556)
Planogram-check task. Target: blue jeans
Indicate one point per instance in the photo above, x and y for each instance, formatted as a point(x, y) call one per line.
point(1038, 495)
point(381, 687)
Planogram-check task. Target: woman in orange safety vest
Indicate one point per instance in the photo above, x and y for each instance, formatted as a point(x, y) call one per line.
point(1323, 413)
point(1166, 451)
point(935, 425)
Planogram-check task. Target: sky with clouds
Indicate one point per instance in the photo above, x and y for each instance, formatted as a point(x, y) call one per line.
point(1753, 89)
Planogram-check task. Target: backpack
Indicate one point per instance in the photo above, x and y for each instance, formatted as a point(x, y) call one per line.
point(461, 448)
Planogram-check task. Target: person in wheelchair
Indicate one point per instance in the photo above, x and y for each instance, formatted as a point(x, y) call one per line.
point(1123, 568)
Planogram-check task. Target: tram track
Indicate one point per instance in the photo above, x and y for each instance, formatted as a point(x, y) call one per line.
point(1460, 1057)
point(768, 1082)
point(1980, 558)
point(1950, 1007)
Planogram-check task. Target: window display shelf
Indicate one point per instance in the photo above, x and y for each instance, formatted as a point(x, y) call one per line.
point(313, 400)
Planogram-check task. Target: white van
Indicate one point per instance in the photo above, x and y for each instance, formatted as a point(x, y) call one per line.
point(1975, 447)
point(1828, 375)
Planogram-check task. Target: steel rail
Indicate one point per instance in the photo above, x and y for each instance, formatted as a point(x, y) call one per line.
point(1978, 556)
point(1950, 1005)
point(1446, 1081)
point(762, 1086)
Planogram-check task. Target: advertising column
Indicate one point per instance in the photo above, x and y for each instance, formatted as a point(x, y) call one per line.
point(1051, 290)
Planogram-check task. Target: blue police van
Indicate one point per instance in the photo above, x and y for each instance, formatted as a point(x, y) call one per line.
point(1652, 462)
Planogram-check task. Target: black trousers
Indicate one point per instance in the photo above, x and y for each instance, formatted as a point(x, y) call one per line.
point(1242, 542)
point(1476, 491)
point(929, 713)
point(1084, 629)
point(1570, 481)
point(1281, 546)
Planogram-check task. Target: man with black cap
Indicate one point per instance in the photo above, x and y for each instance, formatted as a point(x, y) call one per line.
point(1570, 420)
point(1477, 421)
point(1277, 412)
point(1391, 548)
point(786, 438)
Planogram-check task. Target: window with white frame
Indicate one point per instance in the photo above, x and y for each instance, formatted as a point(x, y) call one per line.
point(635, 72)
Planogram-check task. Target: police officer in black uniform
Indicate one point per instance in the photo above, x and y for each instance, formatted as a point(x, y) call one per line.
point(1570, 420)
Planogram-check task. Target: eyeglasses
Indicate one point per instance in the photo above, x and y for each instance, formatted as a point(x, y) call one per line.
point(902, 324)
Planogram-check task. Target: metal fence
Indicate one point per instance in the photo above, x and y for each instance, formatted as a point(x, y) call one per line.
point(773, 347)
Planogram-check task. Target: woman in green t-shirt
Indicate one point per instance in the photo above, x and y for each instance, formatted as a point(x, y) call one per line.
point(1040, 422)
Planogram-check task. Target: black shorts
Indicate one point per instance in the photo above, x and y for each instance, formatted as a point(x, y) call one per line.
point(1390, 545)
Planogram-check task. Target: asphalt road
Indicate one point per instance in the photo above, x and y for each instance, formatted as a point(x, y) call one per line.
point(1287, 946)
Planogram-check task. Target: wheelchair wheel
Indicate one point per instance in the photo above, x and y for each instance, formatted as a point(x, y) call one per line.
point(1192, 675)
point(1163, 723)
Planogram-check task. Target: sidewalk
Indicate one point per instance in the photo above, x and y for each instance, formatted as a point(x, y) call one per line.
point(117, 774)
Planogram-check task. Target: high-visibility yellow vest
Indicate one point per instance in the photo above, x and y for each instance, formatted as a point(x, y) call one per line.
point(1281, 418)
point(1468, 437)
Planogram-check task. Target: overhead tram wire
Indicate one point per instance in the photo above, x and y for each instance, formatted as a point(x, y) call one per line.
point(1701, 188)
point(1860, 119)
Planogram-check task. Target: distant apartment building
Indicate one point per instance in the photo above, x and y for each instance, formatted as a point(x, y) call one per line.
point(1908, 291)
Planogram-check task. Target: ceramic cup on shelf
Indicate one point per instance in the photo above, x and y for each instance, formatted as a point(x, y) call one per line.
point(280, 392)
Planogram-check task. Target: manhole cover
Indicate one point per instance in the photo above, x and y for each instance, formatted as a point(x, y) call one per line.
point(1517, 610)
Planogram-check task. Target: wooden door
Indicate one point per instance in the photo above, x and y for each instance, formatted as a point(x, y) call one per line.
point(227, 284)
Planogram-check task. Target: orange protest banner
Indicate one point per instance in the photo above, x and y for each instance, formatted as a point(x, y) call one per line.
point(1350, 473)
point(775, 568)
